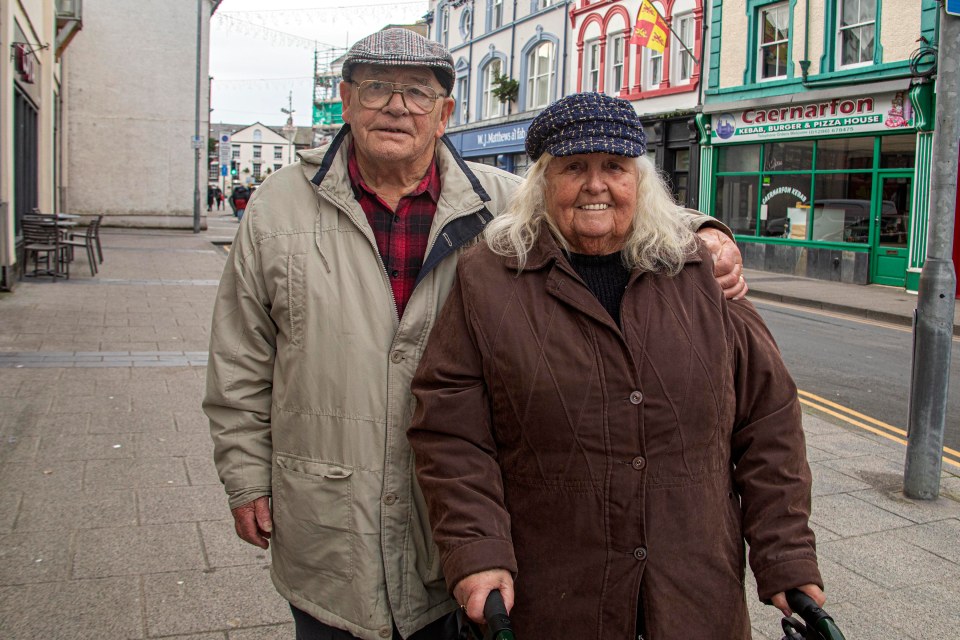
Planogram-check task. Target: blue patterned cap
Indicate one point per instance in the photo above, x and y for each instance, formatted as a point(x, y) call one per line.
point(587, 123)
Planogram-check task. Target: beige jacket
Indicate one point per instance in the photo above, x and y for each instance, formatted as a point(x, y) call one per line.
point(308, 387)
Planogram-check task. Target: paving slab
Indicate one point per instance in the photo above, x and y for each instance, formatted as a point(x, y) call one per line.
point(106, 475)
point(122, 551)
point(221, 600)
point(42, 556)
point(77, 510)
point(159, 505)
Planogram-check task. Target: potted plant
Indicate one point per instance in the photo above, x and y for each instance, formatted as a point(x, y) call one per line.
point(505, 89)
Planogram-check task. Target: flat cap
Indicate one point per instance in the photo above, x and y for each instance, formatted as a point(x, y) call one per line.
point(399, 47)
point(587, 123)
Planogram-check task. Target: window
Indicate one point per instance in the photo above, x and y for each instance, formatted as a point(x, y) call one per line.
point(257, 135)
point(466, 23)
point(542, 4)
point(256, 168)
point(496, 13)
point(653, 69)
point(445, 25)
point(591, 66)
point(235, 152)
point(276, 167)
point(856, 33)
point(463, 99)
point(491, 107)
point(278, 153)
point(681, 61)
point(256, 152)
point(616, 55)
point(540, 75)
point(774, 42)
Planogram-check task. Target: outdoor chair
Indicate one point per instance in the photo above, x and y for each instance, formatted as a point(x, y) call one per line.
point(88, 242)
point(42, 241)
point(95, 223)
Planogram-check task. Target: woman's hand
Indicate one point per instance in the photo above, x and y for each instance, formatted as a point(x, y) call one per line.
point(727, 262)
point(471, 592)
point(812, 590)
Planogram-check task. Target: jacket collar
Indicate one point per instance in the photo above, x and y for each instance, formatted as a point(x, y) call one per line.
point(460, 187)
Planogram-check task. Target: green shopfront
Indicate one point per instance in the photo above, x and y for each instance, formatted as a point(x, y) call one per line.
point(833, 188)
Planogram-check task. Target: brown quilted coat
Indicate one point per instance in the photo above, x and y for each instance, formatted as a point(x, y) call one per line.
point(601, 465)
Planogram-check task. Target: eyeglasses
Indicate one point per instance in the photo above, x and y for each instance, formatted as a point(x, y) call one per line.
point(417, 98)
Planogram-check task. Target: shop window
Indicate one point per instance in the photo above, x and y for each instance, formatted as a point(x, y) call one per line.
point(841, 212)
point(736, 204)
point(740, 158)
point(774, 40)
point(681, 60)
point(898, 152)
point(277, 167)
point(616, 53)
point(591, 66)
point(784, 205)
point(856, 32)
point(521, 162)
point(788, 156)
point(680, 176)
point(845, 154)
point(540, 75)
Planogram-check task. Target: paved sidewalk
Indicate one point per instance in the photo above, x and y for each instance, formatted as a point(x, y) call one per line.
point(113, 524)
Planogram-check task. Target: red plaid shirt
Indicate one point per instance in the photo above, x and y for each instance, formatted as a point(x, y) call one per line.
point(401, 235)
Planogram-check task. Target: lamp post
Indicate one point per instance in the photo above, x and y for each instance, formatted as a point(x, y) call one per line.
point(196, 132)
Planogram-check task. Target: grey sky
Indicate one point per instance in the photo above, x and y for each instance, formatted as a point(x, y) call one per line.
point(255, 65)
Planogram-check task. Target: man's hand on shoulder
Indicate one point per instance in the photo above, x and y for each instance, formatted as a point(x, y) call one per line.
point(253, 522)
point(727, 262)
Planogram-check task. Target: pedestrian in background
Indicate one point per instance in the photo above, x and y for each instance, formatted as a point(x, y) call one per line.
point(211, 195)
point(324, 306)
point(239, 199)
point(595, 420)
point(218, 196)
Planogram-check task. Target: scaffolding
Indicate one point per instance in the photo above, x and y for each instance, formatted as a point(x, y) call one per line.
point(327, 107)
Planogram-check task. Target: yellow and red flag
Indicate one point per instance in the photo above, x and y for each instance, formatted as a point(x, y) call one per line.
point(651, 29)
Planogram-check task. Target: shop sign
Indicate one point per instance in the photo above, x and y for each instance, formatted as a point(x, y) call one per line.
point(497, 139)
point(836, 116)
point(23, 62)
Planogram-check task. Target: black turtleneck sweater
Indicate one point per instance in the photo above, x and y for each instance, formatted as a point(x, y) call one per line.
point(606, 276)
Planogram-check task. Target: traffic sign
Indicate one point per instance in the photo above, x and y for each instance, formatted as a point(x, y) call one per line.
point(953, 7)
point(223, 170)
point(197, 141)
point(225, 148)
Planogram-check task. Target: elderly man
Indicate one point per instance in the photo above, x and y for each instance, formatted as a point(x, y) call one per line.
point(336, 277)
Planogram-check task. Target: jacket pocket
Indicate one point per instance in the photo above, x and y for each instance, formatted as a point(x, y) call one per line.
point(313, 513)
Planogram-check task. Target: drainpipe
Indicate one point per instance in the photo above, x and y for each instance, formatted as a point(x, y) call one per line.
point(563, 73)
point(805, 63)
point(703, 46)
point(513, 47)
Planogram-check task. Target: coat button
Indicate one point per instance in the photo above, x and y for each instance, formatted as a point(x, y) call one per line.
point(396, 357)
point(389, 499)
point(636, 397)
point(639, 463)
point(640, 553)
point(385, 632)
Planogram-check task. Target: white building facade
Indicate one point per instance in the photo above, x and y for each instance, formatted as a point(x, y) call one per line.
point(133, 112)
point(527, 42)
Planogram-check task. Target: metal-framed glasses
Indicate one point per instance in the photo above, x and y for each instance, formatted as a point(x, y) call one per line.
point(417, 98)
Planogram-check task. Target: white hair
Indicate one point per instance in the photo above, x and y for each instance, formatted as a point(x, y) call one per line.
point(659, 239)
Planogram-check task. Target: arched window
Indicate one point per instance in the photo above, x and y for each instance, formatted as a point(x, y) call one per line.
point(541, 75)
point(490, 105)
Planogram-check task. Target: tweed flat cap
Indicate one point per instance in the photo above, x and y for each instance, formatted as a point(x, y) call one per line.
point(587, 123)
point(398, 47)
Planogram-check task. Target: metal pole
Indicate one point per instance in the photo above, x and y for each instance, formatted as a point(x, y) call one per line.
point(196, 155)
point(933, 327)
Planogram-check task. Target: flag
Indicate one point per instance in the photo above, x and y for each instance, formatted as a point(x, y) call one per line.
point(651, 29)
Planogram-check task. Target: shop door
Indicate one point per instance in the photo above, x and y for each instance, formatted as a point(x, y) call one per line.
point(891, 226)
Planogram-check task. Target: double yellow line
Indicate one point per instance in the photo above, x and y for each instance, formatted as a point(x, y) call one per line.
point(867, 423)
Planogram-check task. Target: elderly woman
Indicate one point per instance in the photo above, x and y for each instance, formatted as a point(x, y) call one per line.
point(596, 421)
